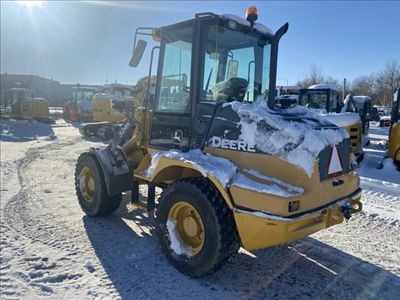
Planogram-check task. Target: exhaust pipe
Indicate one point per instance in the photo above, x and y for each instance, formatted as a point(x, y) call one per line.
point(274, 64)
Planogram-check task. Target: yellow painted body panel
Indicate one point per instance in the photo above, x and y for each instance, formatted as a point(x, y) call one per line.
point(257, 231)
point(103, 111)
point(316, 193)
point(35, 108)
point(355, 133)
point(271, 223)
point(394, 142)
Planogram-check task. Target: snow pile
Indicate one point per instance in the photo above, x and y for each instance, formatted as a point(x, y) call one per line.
point(226, 172)
point(285, 135)
point(220, 168)
point(342, 119)
point(176, 243)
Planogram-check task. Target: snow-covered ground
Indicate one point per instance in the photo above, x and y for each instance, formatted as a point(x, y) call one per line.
point(51, 250)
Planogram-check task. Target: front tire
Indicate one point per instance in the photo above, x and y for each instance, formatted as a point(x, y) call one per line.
point(91, 188)
point(196, 228)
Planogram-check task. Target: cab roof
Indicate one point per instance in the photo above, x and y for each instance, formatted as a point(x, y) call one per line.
point(225, 17)
point(321, 86)
point(361, 99)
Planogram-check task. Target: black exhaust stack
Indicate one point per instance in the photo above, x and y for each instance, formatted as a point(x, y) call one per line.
point(274, 64)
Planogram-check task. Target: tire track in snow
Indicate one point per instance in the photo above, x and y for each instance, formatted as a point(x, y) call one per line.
point(25, 214)
point(379, 205)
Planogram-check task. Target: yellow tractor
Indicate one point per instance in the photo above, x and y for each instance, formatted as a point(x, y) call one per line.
point(394, 132)
point(106, 107)
point(102, 103)
point(325, 100)
point(235, 169)
point(19, 102)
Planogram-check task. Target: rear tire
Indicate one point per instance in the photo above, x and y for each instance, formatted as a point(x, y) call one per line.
point(95, 202)
point(220, 238)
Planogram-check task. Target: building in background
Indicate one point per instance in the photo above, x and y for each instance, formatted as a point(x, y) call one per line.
point(55, 92)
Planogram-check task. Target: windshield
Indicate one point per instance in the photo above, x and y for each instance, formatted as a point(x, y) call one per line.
point(83, 95)
point(314, 99)
point(236, 64)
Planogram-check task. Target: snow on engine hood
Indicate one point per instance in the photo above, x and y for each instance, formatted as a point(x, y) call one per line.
point(296, 134)
point(226, 172)
point(342, 119)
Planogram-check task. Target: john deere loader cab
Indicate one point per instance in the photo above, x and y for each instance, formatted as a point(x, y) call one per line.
point(326, 100)
point(234, 169)
point(19, 102)
point(79, 108)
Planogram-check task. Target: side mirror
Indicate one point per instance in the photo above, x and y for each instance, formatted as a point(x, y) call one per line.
point(233, 66)
point(137, 53)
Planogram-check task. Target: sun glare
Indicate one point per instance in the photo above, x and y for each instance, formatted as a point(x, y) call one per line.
point(31, 3)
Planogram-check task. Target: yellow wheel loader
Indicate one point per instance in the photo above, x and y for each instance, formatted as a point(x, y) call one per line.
point(325, 99)
point(235, 169)
point(19, 103)
point(394, 132)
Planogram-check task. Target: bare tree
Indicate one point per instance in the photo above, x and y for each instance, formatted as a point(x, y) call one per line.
point(364, 85)
point(315, 76)
point(387, 81)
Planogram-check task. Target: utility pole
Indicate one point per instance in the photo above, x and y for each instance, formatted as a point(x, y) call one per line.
point(344, 88)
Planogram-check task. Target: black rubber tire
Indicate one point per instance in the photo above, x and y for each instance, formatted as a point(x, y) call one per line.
point(102, 204)
point(221, 237)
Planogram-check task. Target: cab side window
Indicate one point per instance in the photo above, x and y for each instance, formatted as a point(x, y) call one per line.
point(175, 89)
point(334, 102)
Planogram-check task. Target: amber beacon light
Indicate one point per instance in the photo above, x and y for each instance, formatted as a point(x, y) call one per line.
point(251, 14)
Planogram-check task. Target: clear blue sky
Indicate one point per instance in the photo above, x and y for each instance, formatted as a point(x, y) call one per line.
point(89, 42)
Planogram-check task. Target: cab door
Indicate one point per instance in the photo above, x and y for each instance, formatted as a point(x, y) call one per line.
point(171, 116)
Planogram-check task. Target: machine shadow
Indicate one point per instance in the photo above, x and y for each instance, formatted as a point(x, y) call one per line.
point(20, 130)
point(128, 250)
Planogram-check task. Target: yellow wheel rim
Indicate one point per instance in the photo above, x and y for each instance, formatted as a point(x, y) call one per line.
point(189, 225)
point(86, 184)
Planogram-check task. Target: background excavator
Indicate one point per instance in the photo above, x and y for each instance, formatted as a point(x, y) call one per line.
point(235, 169)
point(79, 108)
point(19, 103)
point(111, 105)
point(393, 151)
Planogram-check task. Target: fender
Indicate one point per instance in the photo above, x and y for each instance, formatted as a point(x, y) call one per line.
point(115, 167)
point(171, 169)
